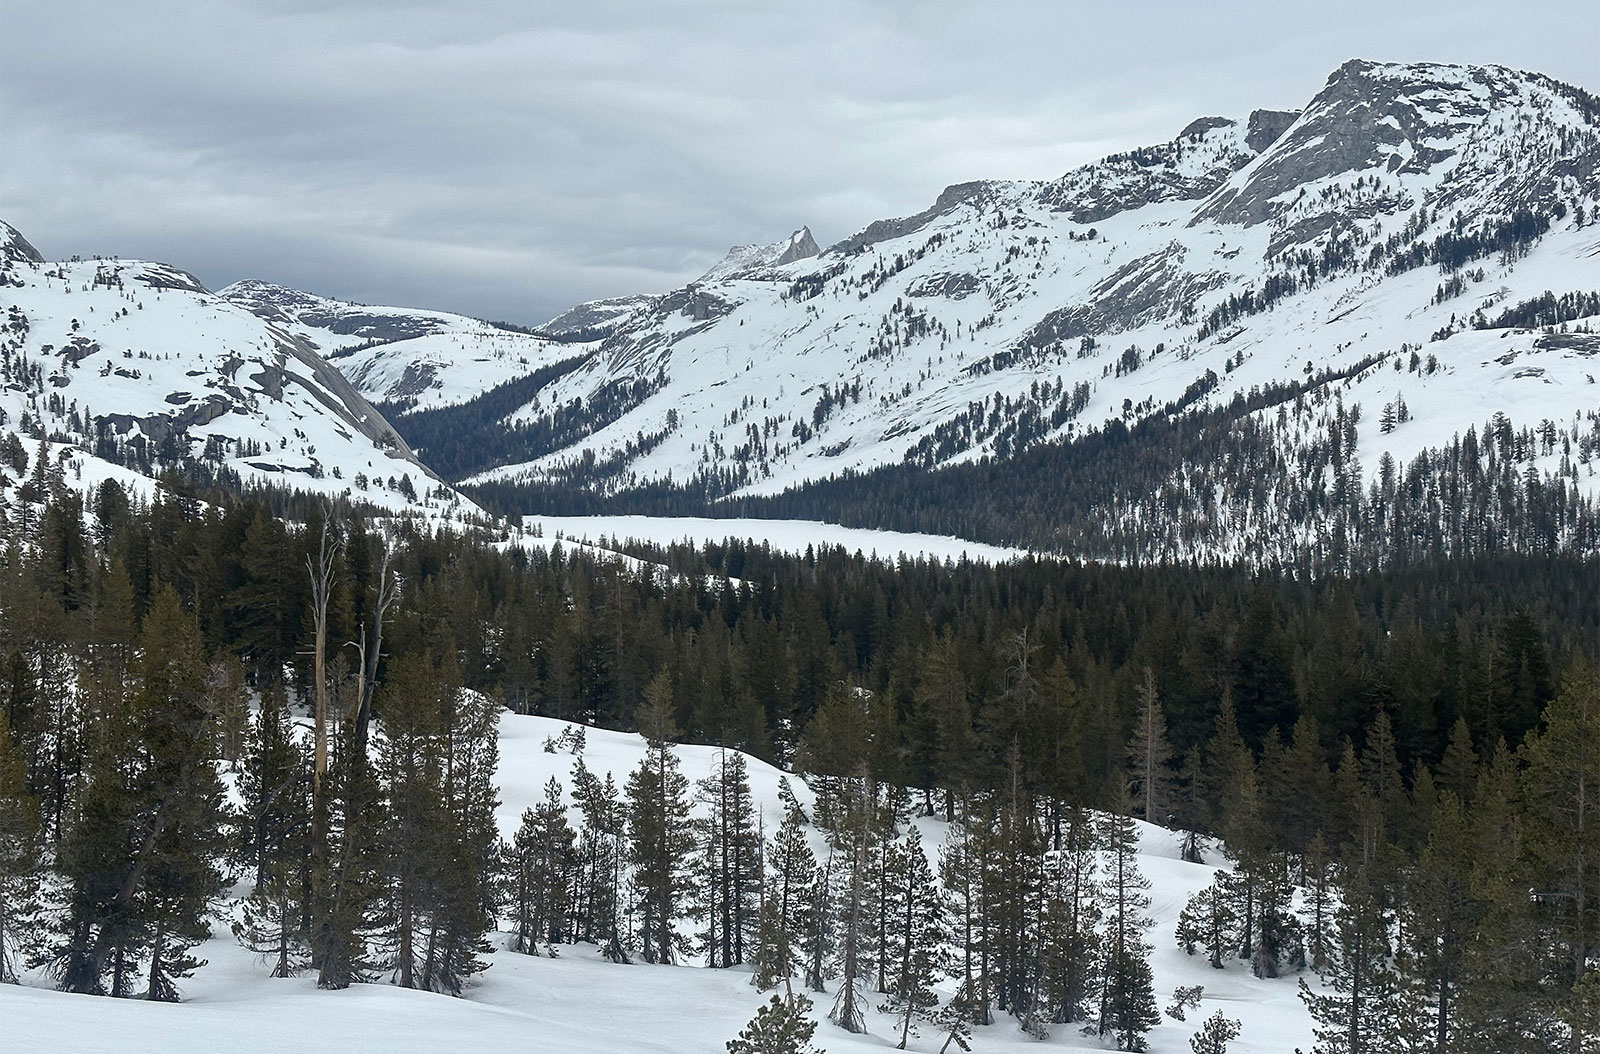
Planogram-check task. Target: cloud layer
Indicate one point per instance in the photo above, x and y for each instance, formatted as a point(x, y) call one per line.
point(509, 159)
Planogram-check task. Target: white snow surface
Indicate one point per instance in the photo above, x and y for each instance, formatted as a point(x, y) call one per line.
point(419, 359)
point(581, 1003)
point(141, 348)
point(791, 536)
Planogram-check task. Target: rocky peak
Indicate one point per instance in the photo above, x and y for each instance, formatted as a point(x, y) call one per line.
point(742, 259)
point(1266, 126)
point(1388, 119)
point(14, 248)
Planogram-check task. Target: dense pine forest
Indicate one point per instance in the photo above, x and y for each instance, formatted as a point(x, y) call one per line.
point(199, 689)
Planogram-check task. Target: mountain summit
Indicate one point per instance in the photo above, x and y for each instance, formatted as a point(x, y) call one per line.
point(742, 259)
point(1368, 264)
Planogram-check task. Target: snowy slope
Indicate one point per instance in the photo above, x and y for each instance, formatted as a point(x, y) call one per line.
point(790, 536)
point(578, 1002)
point(127, 367)
point(1240, 255)
point(415, 359)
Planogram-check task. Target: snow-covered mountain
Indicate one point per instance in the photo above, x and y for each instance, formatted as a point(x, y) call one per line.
point(407, 358)
point(742, 261)
point(1378, 258)
point(124, 368)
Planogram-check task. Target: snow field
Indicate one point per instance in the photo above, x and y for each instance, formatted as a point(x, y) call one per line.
point(580, 1003)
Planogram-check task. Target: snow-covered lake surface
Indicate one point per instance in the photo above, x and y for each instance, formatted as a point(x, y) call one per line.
point(581, 1003)
point(792, 536)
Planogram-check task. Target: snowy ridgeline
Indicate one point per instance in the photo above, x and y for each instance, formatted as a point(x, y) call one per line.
point(580, 1002)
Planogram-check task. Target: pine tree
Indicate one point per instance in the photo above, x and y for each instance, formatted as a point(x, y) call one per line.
point(273, 828)
point(729, 862)
point(597, 884)
point(1127, 1001)
point(780, 1027)
point(465, 904)
point(1562, 794)
point(916, 933)
point(788, 898)
point(542, 859)
point(1208, 922)
point(1504, 1000)
point(437, 759)
point(1439, 910)
point(1214, 1035)
point(19, 855)
point(1070, 928)
point(1149, 754)
point(659, 833)
point(1356, 1015)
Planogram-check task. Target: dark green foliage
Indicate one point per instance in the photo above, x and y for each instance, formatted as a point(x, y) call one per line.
point(780, 1027)
point(540, 870)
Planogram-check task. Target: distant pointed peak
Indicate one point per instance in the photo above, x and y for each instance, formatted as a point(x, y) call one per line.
point(799, 245)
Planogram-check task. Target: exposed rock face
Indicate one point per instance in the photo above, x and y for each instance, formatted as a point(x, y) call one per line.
point(1142, 289)
point(15, 248)
point(1394, 120)
point(596, 319)
point(1187, 168)
point(883, 230)
point(747, 261)
point(277, 303)
point(1266, 126)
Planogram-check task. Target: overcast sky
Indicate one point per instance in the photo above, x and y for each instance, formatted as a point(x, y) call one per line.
point(510, 159)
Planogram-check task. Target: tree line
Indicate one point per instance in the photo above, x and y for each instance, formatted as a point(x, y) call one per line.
point(1329, 730)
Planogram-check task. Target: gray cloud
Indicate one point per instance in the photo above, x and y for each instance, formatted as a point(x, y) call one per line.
point(508, 159)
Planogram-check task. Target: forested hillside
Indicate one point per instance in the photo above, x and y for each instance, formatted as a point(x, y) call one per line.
point(1393, 759)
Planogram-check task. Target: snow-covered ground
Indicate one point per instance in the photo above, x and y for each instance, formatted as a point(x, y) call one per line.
point(104, 349)
point(580, 1003)
point(790, 536)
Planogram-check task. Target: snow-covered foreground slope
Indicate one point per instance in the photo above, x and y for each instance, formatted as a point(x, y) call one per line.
point(581, 1003)
point(789, 536)
point(128, 367)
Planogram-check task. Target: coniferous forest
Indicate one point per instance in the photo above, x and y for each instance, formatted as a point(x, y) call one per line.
point(201, 689)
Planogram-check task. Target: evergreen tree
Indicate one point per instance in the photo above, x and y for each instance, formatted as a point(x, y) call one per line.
point(1561, 790)
point(597, 885)
point(1149, 754)
point(780, 1027)
point(961, 882)
point(19, 856)
point(1357, 1014)
point(659, 833)
point(1439, 910)
point(788, 900)
point(542, 859)
point(273, 829)
point(1208, 922)
point(729, 862)
point(1070, 929)
point(1214, 1035)
point(1127, 1000)
point(916, 933)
